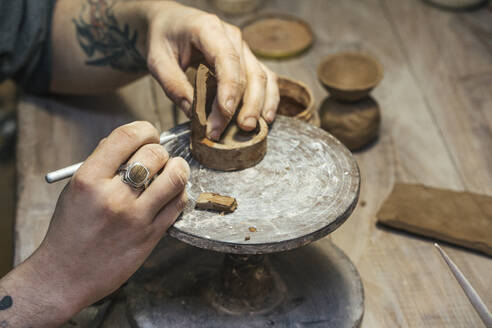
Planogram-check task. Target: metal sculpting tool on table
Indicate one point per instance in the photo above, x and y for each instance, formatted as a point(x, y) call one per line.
point(68, 171)
point(470, 292)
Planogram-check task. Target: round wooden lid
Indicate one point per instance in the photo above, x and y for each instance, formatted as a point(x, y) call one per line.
point(305, 187)
point(277, 35)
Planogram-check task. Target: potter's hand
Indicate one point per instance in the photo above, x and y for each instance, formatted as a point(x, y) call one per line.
point(177, 32)
point(100, 45)
point(101, 231)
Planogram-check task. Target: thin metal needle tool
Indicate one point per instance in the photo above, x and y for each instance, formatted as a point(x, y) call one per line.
point(68, 171)
point(470, 292)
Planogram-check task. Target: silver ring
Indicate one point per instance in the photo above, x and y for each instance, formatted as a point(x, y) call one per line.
point(136, 175)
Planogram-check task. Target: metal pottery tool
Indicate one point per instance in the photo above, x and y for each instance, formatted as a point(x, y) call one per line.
point(470, 292)
point(68, 171)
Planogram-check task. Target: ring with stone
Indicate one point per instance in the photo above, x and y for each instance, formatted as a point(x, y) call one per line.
point(136, 175)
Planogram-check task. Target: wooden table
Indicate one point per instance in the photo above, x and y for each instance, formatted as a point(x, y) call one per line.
point(436, 100)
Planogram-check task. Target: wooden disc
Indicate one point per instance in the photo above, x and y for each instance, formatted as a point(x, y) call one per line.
point(305, 187)
point(277, 35)
point(236, 149)
point(322, 289)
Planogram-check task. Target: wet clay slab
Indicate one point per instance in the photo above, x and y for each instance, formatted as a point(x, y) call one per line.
point(461, 218)
point(305, 187)
point(277, 35)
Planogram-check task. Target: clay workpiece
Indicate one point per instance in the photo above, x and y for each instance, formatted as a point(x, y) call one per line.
point(216, 202)
point(354, 124)
point(296, 100)
point(277, 35)
point(236, 149)
point(349, 76)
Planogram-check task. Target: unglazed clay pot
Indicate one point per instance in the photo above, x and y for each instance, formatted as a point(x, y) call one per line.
point(349, 76)
point(354, 124)
point(296, 100)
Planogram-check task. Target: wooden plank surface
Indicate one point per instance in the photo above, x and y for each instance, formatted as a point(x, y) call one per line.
point(435, 100)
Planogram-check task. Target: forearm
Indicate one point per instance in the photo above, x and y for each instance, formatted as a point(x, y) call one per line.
point(97, 45)
point(32, 296)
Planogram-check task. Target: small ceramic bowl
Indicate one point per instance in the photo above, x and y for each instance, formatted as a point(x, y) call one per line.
point(296, 100)
point(349, 76)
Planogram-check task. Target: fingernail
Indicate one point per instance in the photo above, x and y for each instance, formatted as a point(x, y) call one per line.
point(230, 106)
point(250, 122)
point(214, 135)
point(270, 116)
point(185, 106)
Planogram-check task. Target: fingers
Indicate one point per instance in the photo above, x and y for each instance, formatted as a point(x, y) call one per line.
point(164, 67)
point(254, 96)
point(167, 185)
point(216, 122)
point(168, 215)
point(272, 97)
point(152, 156)
point(117, 148)
point(237, 69)
point(210, 37)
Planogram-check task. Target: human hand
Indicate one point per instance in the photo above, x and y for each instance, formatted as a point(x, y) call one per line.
point(176, 34)
point(102, 230)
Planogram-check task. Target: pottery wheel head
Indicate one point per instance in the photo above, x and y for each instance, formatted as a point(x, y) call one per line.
point(305, 187)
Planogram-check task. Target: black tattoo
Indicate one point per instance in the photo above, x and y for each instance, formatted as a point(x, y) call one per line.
point(103, 36)
point(6, 302)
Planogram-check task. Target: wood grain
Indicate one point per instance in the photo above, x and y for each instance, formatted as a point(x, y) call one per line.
point(436, 128)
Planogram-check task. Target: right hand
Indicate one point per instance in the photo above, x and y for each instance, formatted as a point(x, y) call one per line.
point(102, 229)
point(177, 34)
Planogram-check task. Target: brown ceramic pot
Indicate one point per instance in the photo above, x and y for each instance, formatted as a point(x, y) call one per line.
point(296, 100)
point(349, 76)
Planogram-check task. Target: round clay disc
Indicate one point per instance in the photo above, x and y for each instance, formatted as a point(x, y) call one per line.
point(354, 124)
point(277, 35)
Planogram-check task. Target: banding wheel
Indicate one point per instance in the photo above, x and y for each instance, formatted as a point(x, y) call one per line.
point(305, 187)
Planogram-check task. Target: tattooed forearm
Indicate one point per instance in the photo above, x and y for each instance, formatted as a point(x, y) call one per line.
point(104, 41)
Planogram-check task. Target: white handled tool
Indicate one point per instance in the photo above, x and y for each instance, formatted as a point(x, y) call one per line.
point(68, 171)
point(474, 298)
